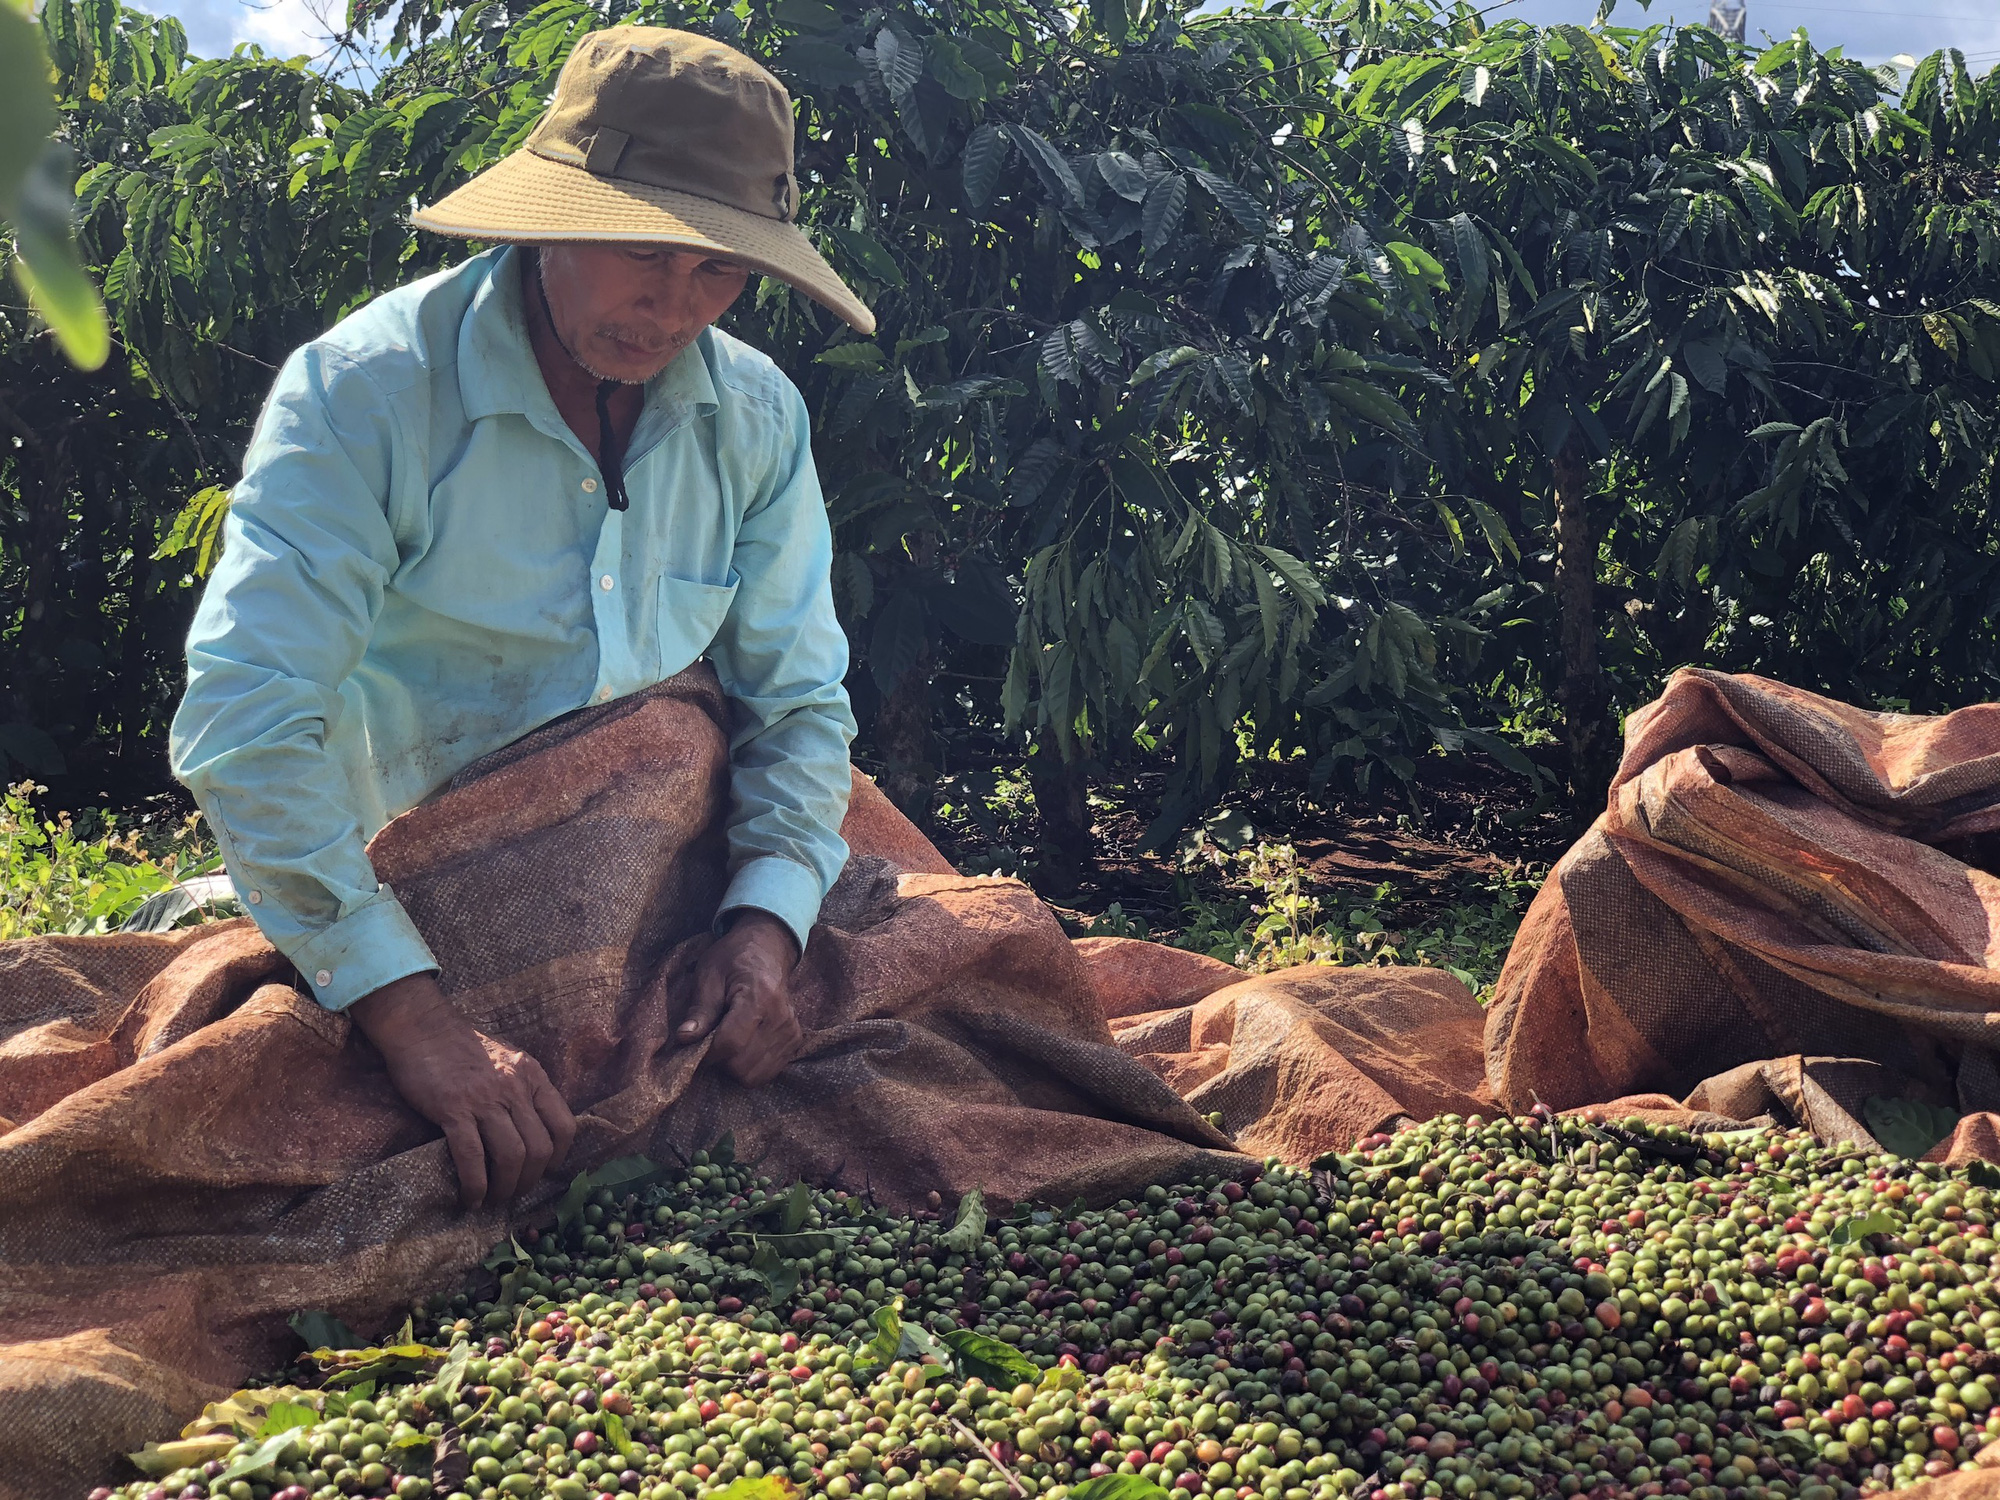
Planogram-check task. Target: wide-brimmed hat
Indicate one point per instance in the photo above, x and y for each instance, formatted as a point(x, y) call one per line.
point(656, 137)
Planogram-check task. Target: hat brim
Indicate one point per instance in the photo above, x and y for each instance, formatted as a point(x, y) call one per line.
point(528, 199)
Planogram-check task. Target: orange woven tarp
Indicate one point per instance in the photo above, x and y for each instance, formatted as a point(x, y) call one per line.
point(1299, 1062)
point(1775, 916)
point(192, 1149)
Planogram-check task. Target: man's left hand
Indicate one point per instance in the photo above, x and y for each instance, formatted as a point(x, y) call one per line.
point(742, 993)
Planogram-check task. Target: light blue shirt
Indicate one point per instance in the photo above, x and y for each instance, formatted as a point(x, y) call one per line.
point(420, 567)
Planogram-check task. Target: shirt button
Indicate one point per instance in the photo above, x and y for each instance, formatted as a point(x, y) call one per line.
point(607, 583)
point(590, 486)
point(323, 978)
point(603, 694)
point(256, 897)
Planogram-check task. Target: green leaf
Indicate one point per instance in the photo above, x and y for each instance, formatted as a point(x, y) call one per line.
point(1908, 1127)
point(1228, 829)
point(287, 1416)
point(898, 640)
point(31, 748)
point(260, 1462)
point(798, 1204)
point(814, 61)
point(947, 64)
point(1162, 360)
point(1853, 1231)
point(982, 1357)
point(1474, 269)
point(778, 1272)
point(46, 263)
point(505, 1253)
point(615, 1434)
point(1048, 163)
point(899, 60)
point(1233, 200)
point(968, 1229)
point(198, 528)
point(868, 254)
point(956, 393)
point(1118, 1487)
point(1297, 576)
point(986, 151)
point(27, 108)
point(1418, 263)
point(854, 356)
point(628, 1173)
point(569, 1209)
point(1123, 174)
point(769, 1487)
point(806, 15)
point(322, 1330)
point(888, 1341)
point(157, 1460)
point(1160, 216)
point(451, 1374)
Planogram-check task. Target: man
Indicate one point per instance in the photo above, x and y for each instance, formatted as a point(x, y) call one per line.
point(537, 482)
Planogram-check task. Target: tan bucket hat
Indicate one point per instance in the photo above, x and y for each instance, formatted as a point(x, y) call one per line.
point(656, 137)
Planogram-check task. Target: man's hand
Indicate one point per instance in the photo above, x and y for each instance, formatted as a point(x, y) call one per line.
point(504, 1121)
point(742, 993)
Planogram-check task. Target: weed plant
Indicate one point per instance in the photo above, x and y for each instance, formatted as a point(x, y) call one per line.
point(85, 873)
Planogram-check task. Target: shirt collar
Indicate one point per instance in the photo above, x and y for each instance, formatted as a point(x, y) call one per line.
point(496, 364)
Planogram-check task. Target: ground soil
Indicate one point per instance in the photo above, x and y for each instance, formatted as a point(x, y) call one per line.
point(1468, 823)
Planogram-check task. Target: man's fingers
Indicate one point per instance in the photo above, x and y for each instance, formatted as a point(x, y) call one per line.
point(468, 1156)
point(711, 992)
point(734, 1037)
point(771, 1048)
point(506, 1152)
point(538, 1148)
point(557, 1120)
point(760, 1034)
point(551, 1109)
point(781, 1044)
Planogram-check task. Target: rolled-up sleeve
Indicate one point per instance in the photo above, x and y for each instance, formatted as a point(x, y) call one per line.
point(308, 551)
point(782, 656)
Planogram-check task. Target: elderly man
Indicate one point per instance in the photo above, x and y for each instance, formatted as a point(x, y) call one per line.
point(537, 482)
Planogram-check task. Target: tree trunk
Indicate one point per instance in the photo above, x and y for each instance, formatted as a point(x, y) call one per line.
point(1062, 805)
point(903, 739)
point(40, 468)
point(1582, 695)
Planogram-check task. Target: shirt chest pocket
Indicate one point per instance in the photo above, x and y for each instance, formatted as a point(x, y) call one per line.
point(690, 617)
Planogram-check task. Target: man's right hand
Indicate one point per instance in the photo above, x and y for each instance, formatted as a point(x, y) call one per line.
point(504, 1121)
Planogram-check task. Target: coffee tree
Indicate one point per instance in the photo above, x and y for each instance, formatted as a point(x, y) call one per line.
point(1332, 383)
point(1722, 339)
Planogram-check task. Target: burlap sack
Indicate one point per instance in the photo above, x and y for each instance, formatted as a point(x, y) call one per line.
point(1774, 910)
point(1303, 1061)
point(192, 1149)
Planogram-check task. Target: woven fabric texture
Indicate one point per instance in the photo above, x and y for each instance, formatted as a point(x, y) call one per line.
point(1781, 913)
point(192, 1150)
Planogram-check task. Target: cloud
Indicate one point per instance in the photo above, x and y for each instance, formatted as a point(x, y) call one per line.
point(283, 28)
point(1871, 30)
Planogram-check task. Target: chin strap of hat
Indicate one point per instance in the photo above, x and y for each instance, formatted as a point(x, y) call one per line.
point(609, 457)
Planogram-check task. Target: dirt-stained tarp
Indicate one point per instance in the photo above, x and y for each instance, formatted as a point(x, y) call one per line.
point(1784, 911)
point(192, 1149)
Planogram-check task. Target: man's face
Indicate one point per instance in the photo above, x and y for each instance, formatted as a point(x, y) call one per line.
point(624, 312)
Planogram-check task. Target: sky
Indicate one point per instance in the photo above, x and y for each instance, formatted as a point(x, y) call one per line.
point(1872, 30)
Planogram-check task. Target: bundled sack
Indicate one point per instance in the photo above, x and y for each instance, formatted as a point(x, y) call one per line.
point(1300, 1062)
point(192, 1149)
point(1783, 889)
